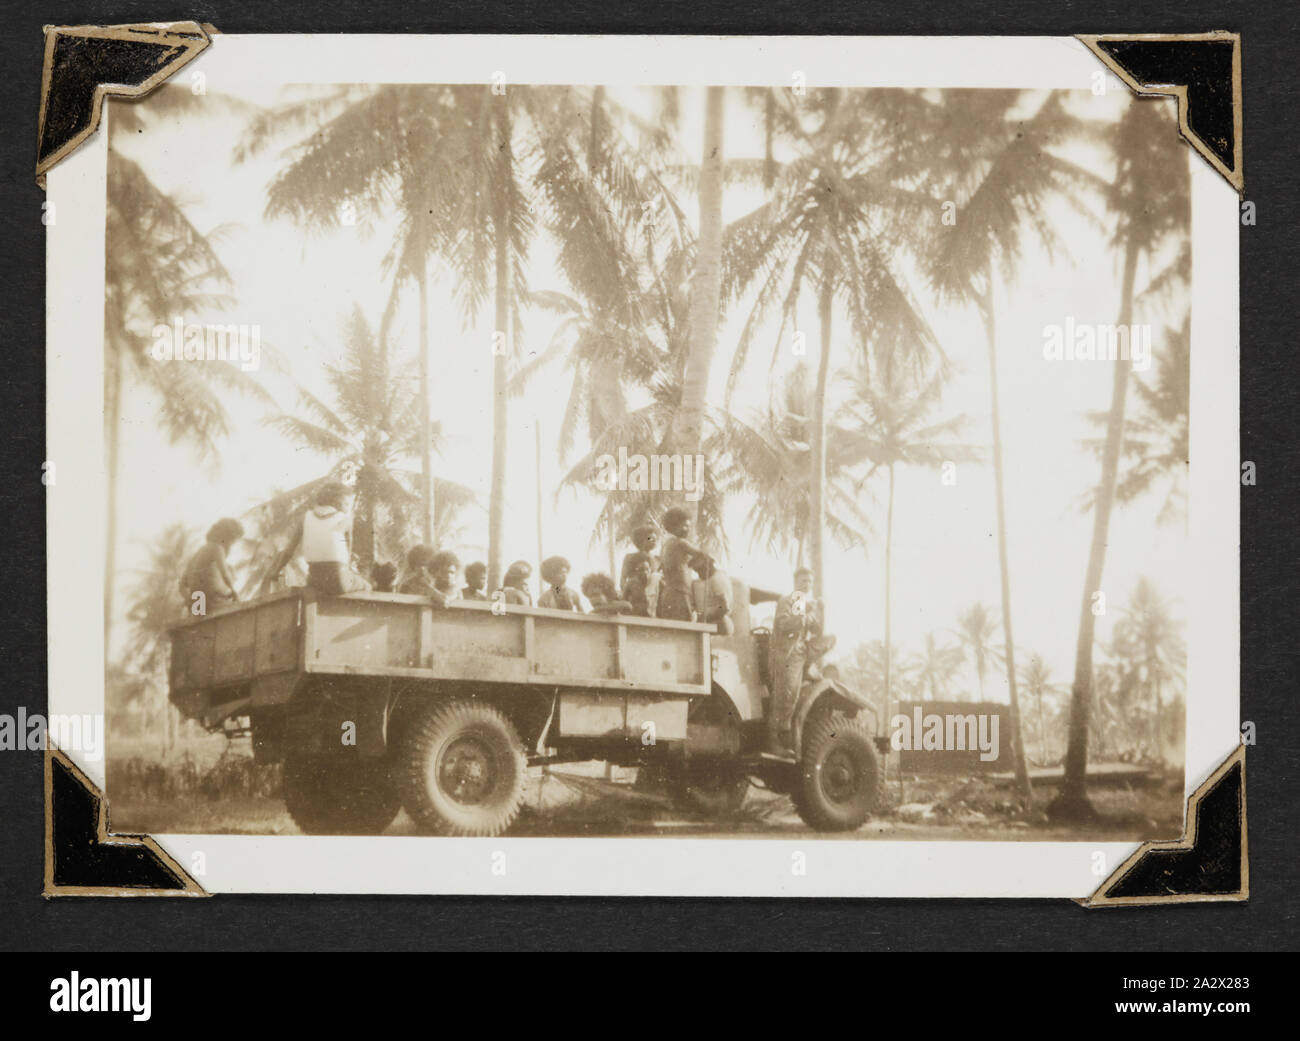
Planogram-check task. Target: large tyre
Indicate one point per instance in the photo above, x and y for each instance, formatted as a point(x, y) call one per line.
point(338, 795)
point(838, 773)
point(461, 769)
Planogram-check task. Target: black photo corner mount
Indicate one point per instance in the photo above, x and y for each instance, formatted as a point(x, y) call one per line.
point(1201, 70)
point(83, 859)
point(84, 63)
point(1209, 863)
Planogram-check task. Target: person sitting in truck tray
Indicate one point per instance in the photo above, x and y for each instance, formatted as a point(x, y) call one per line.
point(323, 540)
point(514, 586)
point(639, 578)
point(599, 589)
point(383, 576)
point(675, 592)
point(430, 574)
point(207, 582)
point(559, 597)
point(475, 581)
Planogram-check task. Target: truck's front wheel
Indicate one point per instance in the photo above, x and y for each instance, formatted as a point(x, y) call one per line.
point(338, 795)
point(838, 773)
point(461, 769)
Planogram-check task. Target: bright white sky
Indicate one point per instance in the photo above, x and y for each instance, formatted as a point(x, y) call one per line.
point(298, 287)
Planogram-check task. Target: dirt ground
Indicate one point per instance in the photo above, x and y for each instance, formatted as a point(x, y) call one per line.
point(580, 801)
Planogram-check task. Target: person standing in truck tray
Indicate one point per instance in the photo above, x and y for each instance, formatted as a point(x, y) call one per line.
point(675, 587)
point(324, 540)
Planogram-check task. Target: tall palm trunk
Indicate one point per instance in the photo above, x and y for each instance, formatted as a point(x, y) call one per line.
point(817, 494)
point(426, 424)
point(889, 553)
point(501, 220)
point(1042, 730)
point(1017, 741)
point(112, 448)
point(1159, 735)
point(363, 526)
point(706, 285)
point(1073, 801)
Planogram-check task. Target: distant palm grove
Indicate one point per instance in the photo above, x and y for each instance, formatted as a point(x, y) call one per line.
point(873, 208)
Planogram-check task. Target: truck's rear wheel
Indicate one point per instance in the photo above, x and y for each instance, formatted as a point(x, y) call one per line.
point(461, 769)
point(838, 773)
point(337, 795)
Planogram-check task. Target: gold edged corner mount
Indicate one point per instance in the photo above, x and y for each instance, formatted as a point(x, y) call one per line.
point(83, 63)
point(1202, 71)
point(1209, 863)
point(82, 858)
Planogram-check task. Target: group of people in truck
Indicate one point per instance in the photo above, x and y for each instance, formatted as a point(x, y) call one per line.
point(670, 578)
point(678, 581)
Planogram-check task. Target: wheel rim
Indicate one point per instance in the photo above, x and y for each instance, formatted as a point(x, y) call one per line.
point(467, 771)
point(839, 776)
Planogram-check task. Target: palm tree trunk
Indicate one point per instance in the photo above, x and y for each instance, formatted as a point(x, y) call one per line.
point(817, 492)
point(363, 527)
point(1156, 691)
point(537, 449)
point(1017, 740)
point(426, 423)
point(501, 219)
point(613, 548)
point(1073, 803)
point(889, 550)
point(112, 448)
point(706, 285)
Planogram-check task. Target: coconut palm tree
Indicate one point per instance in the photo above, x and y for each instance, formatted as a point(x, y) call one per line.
point(1036, 679)
point(875, 667)
point(837, 217)
point(1150, 640)
point(767, 459)
point(1149, 201)
point(706, 284)
point(366, 434)
point(158, 265)
point(154, 605)
point(934, 666)
point(892, 426)
point(364, 150)
point(977, 630)
point(1156, 435)
point(995, 159)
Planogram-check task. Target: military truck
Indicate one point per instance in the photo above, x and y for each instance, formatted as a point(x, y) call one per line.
point(377, 701)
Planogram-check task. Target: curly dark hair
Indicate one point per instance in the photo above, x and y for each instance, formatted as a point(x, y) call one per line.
point(598, 583)
point(331, 493)
point(551, 568)
point(442, 559)
point(226, 531)
point(675, 519)
point(419, 556)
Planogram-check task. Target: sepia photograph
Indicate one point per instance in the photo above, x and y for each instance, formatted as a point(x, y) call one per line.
point(727, 458)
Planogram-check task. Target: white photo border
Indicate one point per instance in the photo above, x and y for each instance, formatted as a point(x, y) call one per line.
point(750, 866)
